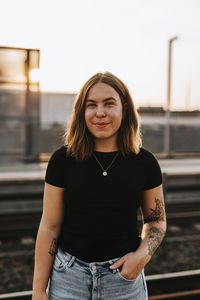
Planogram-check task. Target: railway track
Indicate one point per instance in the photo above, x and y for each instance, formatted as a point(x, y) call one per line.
point(26, 223)
point(21, 203)
point(179, 285)
point(21, 208)
point(20, 252)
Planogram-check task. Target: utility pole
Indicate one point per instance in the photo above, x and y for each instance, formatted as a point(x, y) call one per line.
point(168, 108)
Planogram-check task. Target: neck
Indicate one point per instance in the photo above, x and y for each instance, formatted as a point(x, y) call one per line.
point(105, 146)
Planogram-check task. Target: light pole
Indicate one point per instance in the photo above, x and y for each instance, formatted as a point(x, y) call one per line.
point(168, 108)
point(32, 118)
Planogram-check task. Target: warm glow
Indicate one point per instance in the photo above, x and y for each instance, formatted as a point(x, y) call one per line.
point(35, 75)
point(67, 60)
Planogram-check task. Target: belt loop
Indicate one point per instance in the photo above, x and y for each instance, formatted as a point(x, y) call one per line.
point(111, 261)
point(71, 261)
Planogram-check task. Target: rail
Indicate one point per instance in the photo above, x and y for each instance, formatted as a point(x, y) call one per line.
point(21, 202)
point(178, 285)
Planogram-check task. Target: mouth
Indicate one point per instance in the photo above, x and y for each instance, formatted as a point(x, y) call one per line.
point(101, 125)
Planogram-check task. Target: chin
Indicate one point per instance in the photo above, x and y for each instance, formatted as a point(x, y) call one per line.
point(101, 137)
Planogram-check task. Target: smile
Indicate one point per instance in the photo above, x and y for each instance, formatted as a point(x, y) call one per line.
point(101, 125)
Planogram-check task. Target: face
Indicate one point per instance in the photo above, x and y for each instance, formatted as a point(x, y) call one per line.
point(103, 112)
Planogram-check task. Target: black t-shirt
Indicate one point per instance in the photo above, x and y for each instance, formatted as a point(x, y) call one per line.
point(100, 219)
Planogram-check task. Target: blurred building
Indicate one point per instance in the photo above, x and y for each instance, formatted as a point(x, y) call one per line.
point(54, 114)
point(19, 102)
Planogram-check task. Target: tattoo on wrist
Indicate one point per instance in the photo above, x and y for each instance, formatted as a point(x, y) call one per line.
point(155, 237)
point(157, 213)
point(53, 248)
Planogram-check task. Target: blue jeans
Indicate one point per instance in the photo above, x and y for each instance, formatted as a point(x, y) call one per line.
point(74, 279)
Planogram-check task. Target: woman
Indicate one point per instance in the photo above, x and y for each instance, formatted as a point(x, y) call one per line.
point(88, 243)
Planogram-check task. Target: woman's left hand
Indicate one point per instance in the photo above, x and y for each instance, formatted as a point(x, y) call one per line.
point(132, 264)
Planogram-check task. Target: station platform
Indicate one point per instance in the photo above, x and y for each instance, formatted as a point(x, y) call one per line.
point(23, 170)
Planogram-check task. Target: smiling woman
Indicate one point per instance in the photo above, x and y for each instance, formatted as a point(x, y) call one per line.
point(103, 99)
point(94, 186)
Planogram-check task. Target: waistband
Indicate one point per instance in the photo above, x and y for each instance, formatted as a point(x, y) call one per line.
point(72, 258)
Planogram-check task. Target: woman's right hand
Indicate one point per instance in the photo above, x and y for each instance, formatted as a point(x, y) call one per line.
point(40, 296)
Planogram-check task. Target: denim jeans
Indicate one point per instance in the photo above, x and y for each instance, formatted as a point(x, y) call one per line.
point(74, 279)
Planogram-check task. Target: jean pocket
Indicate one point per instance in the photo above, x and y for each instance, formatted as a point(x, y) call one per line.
point(120, 275)
point(60, 263)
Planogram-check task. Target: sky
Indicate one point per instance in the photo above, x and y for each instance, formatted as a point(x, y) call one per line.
point(126, 37)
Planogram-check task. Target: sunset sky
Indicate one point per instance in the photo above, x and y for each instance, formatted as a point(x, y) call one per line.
point(129, 38)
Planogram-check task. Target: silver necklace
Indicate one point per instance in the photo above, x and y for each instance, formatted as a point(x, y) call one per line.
point(105, 169)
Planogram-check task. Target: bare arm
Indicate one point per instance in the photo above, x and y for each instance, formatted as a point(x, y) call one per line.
point(154, 219)
point(46, 242)
point(153, 231)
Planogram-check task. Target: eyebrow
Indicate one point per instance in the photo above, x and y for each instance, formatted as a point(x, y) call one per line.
point(105, 100)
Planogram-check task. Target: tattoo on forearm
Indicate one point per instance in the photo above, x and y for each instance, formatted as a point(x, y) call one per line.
point(53, 247)
point(157, 213)
point(155, 237)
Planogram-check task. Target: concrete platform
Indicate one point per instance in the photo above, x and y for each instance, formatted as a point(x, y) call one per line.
point(22, 171)
point(180, 166)
point(22, 187)
point(26, 171)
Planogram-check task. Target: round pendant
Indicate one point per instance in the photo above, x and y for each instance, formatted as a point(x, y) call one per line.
point(104, 173)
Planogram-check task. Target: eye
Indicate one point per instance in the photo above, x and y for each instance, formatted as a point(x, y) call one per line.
point(109, 103)
point(91, 104)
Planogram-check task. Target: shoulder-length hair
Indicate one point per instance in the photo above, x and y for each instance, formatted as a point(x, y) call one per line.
point(79, 140)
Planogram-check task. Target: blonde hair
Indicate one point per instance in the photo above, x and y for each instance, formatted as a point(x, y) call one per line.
point(79, 140)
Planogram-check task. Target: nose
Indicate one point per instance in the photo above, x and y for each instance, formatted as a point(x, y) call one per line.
point(100, 112)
